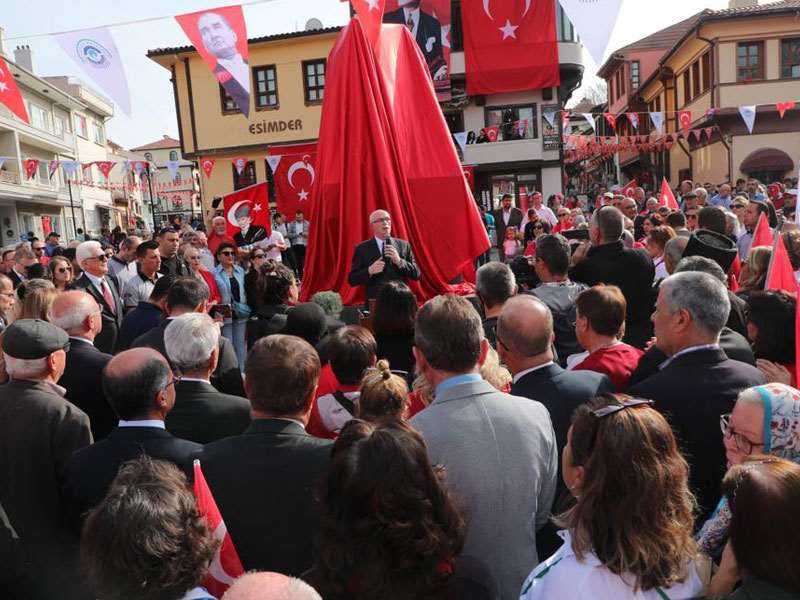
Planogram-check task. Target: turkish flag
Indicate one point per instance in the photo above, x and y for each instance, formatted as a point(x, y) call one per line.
point(509, 45)
point(492, 132)
point(248, 206)
point(225, 566)
point(30, 165)
point(469, 175)
point(783, 107)
point(370, 13)
point(10, 94)
point(666, 197)
point(762, 234)
point(629, 187)
point(780, 275)
point(685, 120)
point(395, 153)
point(105, 166)
point(293, 176)
point(207, 164)
point(611, 119)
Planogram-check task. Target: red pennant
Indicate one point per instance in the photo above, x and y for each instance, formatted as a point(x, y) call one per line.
point(783, 107)
point(762, 236)
point(226, 565)
point(709, 131)
point(105, 166)
point(780, 275)
point(294, 177)
point(611, 119)
point(491, 132)
point(10, 94)
point(207, 164)
point(685, 120)
point(694, 134)
point(370, 13)
point(667, 198)
point(30, 165)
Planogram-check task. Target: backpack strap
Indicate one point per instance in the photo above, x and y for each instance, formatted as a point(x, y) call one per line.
point(346, 403)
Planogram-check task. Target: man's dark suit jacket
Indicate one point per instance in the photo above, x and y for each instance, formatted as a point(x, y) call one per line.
point(83, 380)
point(367, 253)
point(106, 340)
point(255, 233)
point(233, 88)
point(693, 391)
point(90, 471)
point(514, 220)
point(201, 414)
point(227, 377)
point(15, 279)
point(137, 322)
point(429, 28)
point(632, 271)
point(265, 483)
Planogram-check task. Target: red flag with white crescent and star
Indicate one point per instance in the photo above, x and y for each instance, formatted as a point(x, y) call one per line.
point(226, 565)
point(666, 197)
point(611, 119)
point(207, 164)
point(492, 132)
point(10, 95)
point(685, 121)
point(509, 45)
point(293, 176)
point(105, 166)
point(248, 210)
point(30, 165)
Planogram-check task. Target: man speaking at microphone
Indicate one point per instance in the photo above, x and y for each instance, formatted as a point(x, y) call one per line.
point(382, 258)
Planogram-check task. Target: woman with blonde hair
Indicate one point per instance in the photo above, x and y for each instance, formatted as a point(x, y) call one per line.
point(382, 395)
point(754, 271)
point(35, 305)
point(629, 533)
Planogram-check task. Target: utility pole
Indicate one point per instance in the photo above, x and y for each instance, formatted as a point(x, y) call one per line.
point(72, 207)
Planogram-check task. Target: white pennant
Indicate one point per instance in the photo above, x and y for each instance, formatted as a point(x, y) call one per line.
point(658, 121)
point(461, 138)
point(3, 159)
point(589, 119)
point(172, 167)
point(274, 161)
point(594, 22)
point(550, 117)
point(748, 113)
point(70, 167)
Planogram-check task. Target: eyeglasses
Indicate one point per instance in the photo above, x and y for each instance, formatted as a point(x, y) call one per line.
point(101, 258)
point(538, 226)
point(382, 220)
point(175, 381)
point(735, 206)
point(226, 253)
point(64, 270)
point(742, 443)
point(258, 256)
point(601, 413)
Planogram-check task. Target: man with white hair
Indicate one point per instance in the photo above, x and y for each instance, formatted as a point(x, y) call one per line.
point(270, 586)
point(79, 315)
point(381, 259)
point(217, 231)
point(104, 288)
point(698, 382)
point(201, 413)
point(39, 431)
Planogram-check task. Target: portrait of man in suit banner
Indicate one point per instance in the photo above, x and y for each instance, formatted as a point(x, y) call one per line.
point(429, 23)
point(220, 37)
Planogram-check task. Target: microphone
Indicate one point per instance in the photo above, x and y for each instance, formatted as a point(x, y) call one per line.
point(386, 242)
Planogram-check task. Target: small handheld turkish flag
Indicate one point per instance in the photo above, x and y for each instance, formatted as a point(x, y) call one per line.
point(225, 566)
point(667, 198)
point(9, 93)
point(780, 275)
point(762, 235)
point(247, 214)
point(491, 132)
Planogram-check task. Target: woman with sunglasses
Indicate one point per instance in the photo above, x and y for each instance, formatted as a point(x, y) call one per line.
point(564, 220)
point(256, 257)
point(230, 282)
point(764, 420)
point(61, 271)
point(629, 533)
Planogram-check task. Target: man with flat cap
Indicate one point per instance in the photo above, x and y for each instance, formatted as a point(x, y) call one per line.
point(39, 431)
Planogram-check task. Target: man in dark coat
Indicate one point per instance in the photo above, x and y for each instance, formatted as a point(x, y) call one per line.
point(79, 315)
point(264, 480)
point(40, 431)
point(96, 282)
point(505, 217)
point(201, 413)
point(608, 261)
point(698, 382)
point(382, 258)
point(427, 30)
point(139, 385)
point(146, 316)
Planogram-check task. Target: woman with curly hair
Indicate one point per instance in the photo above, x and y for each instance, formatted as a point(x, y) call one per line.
point(146, 539)
point(277, 290)
point(629, 534)
point(388, 530)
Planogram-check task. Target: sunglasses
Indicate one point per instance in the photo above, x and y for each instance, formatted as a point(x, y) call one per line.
point(101, 258)
point(226, 253)
point(258, 256)
point(64, 270)
point(601, 413)
point(538, 226)
point(738, 206)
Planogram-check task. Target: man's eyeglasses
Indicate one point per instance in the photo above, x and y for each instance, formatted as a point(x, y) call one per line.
point(226, 253)
point(175, 381)
point(742, 443)
point(101, 258)
point(382, 220)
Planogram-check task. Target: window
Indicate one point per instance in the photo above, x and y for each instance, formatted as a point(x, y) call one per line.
point(41, 172)
point(749, 61)
point(81, 128)
point(634, 74)
point(565, 32)
point(40, 117)
point(706, 71)
point(266, 80)
point(59, 126)
point(314, 80)
point(228, 104)
point(610, 86)
point(687, 87)
point(97, 130)
point(173, 155)
point(790, 58)
point(508, 118)
point(696, 78)
point(248, 176)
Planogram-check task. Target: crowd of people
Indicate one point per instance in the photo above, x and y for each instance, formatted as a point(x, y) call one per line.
point(612, 413)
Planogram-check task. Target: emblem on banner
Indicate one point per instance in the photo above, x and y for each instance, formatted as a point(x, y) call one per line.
point(89, 51)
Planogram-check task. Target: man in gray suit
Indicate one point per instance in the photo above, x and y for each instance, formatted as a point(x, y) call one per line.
point(499, 451)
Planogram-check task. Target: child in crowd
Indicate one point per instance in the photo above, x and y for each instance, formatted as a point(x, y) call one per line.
point(511, 244)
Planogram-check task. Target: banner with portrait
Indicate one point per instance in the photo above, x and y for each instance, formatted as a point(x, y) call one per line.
point(220, 37)
point(551, 139)
point(429, 22)
point(247, 217)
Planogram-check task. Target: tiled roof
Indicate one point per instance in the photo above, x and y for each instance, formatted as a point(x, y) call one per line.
point(664, 38)
point(165, 142)
point(756, 9)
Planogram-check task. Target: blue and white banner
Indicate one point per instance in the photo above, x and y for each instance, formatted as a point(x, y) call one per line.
point(96, 53)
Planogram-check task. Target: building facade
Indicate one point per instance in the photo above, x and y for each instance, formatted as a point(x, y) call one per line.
point(288, 85)
point(127, 188)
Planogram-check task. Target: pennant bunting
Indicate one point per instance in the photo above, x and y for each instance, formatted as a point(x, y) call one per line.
point(633, 119)
point(220, 37)
point(125, 167)
point(10, 95)
point(709, 131)
point(593, 21)
point(52, 167)
point(274, 161)
point(105, 166)
point(685, 121)
point(30, 165)
point(550, 117)
point(461, 139)
point(565, 120)
point(3, 160)
point(94, 51)
point(783, 107)
point(207, 164)
point(70, 167)
point(658, 121)
point(611, 119)
point(139, 166)
point(589, 119)
point(748, 113)
point(240, 164)
point(172, 167)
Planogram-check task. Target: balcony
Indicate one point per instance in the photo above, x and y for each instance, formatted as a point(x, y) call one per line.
point(9, 177)
point(510, 151)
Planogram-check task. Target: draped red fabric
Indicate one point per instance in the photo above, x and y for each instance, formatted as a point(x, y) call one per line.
point(384, 143)
point(780, 275)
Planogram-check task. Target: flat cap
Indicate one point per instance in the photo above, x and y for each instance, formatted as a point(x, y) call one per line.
point(29, 339)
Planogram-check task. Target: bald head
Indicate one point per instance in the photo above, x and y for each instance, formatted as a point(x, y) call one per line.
point(135, 383)
point(525, 327)
point(75, 312)
point(270, 586)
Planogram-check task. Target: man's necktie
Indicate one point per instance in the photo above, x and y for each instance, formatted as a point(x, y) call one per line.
point(410, 22)
point(109, 298)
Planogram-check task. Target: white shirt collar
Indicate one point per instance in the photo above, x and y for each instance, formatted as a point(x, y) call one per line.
point(158, 424)
point(97, 281)
point(81, 339)
point(667, 362)
point(194, 379)
point(522, 374)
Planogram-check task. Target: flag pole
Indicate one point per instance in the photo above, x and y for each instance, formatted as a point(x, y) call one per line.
point(72, 207)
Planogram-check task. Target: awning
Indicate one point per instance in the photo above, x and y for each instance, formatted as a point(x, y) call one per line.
point(767, 159)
